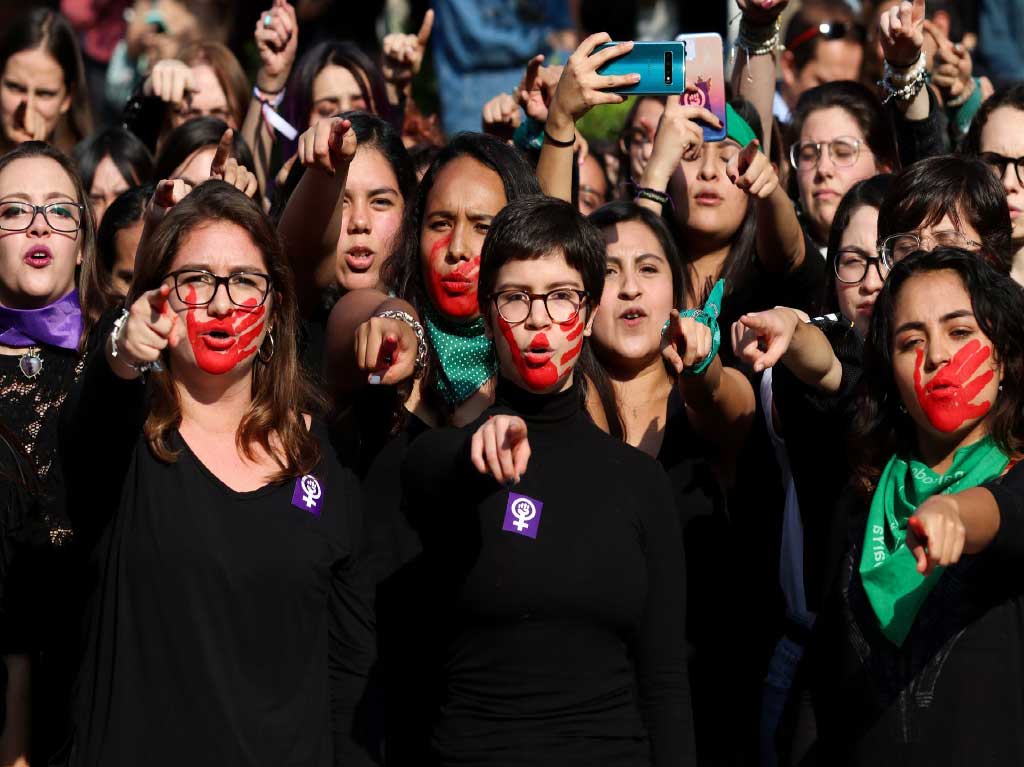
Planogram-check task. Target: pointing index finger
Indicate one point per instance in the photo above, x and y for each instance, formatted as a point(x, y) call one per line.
point(224, 149)
point(425, 28)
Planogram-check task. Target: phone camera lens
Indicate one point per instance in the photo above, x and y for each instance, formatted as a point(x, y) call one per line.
point(668, 68)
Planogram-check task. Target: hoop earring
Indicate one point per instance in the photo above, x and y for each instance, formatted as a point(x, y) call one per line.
point(264, 356)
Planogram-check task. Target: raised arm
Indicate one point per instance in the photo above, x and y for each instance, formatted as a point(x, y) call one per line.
point(753, 73)
point(311, 223)
point(403, 59)
point(277, 38)
point(580, 88)
point(763, 339)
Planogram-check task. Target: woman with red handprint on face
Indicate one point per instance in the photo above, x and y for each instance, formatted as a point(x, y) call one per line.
point(925, 603)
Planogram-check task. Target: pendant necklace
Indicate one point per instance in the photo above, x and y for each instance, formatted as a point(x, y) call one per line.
point(30, 363)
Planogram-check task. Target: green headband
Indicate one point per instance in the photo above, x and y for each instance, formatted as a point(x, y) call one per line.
point(737, 128)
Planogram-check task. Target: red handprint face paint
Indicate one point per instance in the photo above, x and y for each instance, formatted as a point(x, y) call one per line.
point(536, 363)
point(221, 343)
point(946, 398)
point(453, 287)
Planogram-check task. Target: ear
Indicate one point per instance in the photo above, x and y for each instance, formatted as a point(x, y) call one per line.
point(592, 310)
point(883, 166)
point(65, 104)
point(622, 146)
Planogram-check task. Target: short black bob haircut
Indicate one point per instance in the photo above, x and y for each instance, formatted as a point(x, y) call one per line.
point(881, 429)
point(194, 135)
point(536, 226)
point(963, 188)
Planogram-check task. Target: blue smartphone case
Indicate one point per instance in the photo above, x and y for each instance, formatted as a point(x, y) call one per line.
point(661, 66)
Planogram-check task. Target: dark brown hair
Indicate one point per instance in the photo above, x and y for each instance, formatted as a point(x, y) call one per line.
point(94, 293)
point(228, 72)
point(881, 429)
point(280, 390)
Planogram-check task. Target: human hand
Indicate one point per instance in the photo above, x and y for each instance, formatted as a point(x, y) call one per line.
point(500, 448)
point(678, 138)
point(501, 116)
point(277, 43)
point(171, 81)
point(951, 64)
point(752, 171)
point(403, 54)
point(936, 534)
point(226, 168)
point(328, 145)
point(150, 328)
point(761, 12)
point(901, 33)
point(581, 88)
point(386, 350)
point(689, 342)
point(537, 88)
point(761, 338)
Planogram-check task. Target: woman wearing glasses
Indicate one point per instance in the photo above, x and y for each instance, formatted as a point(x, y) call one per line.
point(559, 607)
point(995, 138)
point(50, 296)
point(226, 621)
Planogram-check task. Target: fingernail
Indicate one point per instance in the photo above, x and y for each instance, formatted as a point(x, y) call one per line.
point(374, 379)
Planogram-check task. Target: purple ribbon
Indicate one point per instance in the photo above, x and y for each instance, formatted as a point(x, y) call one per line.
point(59, 324)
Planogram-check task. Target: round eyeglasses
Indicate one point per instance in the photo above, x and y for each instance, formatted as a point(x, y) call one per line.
point(898, 246)
point(562, 305)
point(842, 151)
point(197, 287)
point(64, 217)
point(851, 266)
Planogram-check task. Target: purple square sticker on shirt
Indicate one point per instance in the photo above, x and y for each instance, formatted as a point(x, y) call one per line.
point(308, 494)
point(522, 515)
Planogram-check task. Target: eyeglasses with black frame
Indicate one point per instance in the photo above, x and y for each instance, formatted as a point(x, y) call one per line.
point(63, 217)
point(197, 287)
point(851, 266)
point(896, 247)
point(562, 305)
point(998, 162)
point(843, 151)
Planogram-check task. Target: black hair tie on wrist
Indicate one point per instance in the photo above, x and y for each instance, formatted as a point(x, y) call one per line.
point(560, 144)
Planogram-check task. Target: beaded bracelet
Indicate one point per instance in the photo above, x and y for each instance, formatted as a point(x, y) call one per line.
point(758, 40)
point(115, 336)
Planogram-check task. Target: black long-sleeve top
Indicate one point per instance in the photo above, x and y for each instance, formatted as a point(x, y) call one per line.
point(953, 693)
point(225, 627)
point(568, 648)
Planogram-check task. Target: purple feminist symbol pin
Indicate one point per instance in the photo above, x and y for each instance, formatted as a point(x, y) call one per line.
point(307, 494)
point(522, 515)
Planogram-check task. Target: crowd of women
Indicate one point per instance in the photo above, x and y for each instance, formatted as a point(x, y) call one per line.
point(329, 441)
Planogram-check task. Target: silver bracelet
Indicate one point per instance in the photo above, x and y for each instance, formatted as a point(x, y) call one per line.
point(757, 40)
point(417, 328)
point(115, 336)
point(905, 91)
point(903, 75)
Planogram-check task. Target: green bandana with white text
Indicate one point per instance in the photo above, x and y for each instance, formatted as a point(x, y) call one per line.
point(888, 569)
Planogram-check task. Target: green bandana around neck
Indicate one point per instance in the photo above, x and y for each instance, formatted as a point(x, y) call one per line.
point(737, 128)
point(888, 569)
point(466, 355)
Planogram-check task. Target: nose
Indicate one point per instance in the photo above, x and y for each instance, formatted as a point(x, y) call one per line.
point(629, 288)
point(708, 166)
point(824, 166)
point(937, 353)
point(220, 305)
point(538, 317)
point(1010, 181)
point(873, 280)
point(459, 247)
point(358, 217)
point(39, 225)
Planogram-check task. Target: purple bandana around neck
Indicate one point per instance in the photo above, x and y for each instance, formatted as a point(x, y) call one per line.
point(59, 324)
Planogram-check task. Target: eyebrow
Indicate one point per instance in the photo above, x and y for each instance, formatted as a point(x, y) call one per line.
point(472, 215)
point(960, 313)
point(382, 190)
point(209, 268)
point(641, 257)
point(26, 198)
point(854, 249)
point(567, 284)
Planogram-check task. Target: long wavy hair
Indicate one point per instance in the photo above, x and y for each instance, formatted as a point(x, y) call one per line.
point(95, 294)
point(280, 390)
point(881, 429)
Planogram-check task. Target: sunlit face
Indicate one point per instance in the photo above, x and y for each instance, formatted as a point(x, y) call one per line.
point(637, 298)
point(638, 139)
point(208, 100)
point(371, 217)
point(107, 184)
point(464, 198)
point(593, 187)
point(37, 266)
point(196, 167)
point(858, 245)
point(220, 338)
point(832, 60)
point(822, 187)
point(335, 89)
point(707, 204)
point(538, 354)
point(943, 364)
point(126, 243)
point(1002, 136)
point(33, 96)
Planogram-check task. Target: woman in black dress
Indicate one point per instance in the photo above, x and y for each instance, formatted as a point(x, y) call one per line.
point(227, 622)
point(558, 586)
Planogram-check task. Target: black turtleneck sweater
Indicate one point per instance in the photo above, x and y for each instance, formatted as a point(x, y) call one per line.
point(563, 643)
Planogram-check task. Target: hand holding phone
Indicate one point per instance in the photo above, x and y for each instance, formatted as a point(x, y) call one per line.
point(705, 79)
point(582, 87)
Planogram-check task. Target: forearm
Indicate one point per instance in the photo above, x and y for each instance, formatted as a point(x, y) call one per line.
point(780, 240)
point(14, 742)
point(979, 512)
point(721, 401)
point(260, 138)
point(554, 168)
point(753, 78)
point(811, 359)
point(310, 227)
